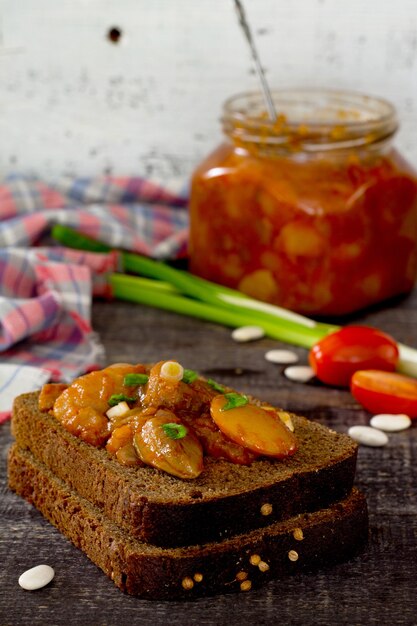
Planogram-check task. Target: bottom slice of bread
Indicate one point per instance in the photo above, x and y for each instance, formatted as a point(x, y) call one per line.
point(306, 541)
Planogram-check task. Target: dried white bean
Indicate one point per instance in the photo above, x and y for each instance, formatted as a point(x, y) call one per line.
point(36, 577)
point(299, 373)
point(281, 356)
point(368, 436)
point(391, 423)
point(248, 333)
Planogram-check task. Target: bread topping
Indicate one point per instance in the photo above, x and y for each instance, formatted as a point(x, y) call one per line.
point(167, 417)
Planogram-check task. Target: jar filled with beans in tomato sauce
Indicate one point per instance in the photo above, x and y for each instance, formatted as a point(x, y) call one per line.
point(316, 211)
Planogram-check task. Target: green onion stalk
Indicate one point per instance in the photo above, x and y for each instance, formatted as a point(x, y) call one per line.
point(154, 283)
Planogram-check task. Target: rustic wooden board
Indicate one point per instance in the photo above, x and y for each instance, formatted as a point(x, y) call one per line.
point(376, 588)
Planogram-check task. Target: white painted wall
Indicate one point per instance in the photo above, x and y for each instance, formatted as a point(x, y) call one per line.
point(72, 102)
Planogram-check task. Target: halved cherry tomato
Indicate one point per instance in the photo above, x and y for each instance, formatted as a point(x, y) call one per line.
point(337, 356)
point(385, 392)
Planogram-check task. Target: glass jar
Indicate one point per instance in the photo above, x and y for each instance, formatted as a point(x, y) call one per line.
point(315, 212)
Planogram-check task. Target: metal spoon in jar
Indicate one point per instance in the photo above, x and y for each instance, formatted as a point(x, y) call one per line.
point(264, 85)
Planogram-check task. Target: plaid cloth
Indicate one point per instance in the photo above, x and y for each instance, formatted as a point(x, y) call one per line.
point(133, 213)
point(46, 291)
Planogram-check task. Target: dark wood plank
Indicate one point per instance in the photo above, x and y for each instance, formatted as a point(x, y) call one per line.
point(377, 587)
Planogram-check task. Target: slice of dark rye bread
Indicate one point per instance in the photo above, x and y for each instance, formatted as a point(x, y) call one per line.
point(224, 500)
point(305, 541)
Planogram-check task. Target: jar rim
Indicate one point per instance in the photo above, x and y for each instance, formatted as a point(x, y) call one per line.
point(310, 119)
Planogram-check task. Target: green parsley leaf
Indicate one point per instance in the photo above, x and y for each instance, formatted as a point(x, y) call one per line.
point(174, 431)
point(215, 385)
point(119, 397)
point(130, 380)
point(234, 400)
point(189, 376)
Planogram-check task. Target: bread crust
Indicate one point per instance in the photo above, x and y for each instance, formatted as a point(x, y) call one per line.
point(305, 541)
point(225, 500)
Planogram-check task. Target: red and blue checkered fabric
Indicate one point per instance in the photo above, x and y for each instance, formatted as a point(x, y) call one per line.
point(46, 291)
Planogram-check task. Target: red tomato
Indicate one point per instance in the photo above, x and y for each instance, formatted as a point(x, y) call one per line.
point(337, 356)
point(385, 392)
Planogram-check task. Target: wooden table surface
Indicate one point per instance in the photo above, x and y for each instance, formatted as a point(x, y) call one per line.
point(378, 587)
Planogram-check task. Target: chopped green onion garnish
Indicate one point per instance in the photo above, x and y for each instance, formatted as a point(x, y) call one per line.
point(215, 385)
point(130, 380)
point(120, 397)
point(189, 376)
point(234, 400)
point(174, 431)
